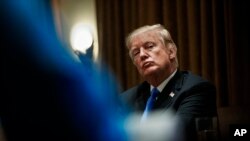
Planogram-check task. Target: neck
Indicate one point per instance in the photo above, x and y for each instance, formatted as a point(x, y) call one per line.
point(156, 79)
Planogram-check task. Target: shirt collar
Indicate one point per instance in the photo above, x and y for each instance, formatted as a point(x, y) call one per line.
point(164, 83)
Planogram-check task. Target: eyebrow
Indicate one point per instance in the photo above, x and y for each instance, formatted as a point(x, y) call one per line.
point(148, 42)
point(144, 44)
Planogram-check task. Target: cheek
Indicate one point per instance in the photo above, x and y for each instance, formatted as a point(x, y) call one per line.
point(139, 70)
point(162, 58)
point(136, 63)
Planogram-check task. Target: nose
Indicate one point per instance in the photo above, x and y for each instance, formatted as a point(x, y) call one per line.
point(143, 54)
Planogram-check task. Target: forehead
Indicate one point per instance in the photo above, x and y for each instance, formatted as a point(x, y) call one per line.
point(144, 37)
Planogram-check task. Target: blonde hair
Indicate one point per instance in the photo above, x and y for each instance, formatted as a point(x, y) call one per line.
point(163, 33)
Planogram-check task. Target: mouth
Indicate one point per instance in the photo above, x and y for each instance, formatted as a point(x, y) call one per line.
point(146, 64)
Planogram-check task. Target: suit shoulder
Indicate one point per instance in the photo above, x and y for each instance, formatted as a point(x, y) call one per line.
point(129, 91)
point(132, 93)
point(192, 80)
point(135, 88)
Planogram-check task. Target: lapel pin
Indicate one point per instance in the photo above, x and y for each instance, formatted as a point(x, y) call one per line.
point(172, 94)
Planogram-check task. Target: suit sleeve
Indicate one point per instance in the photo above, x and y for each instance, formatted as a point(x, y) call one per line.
point(198, 101)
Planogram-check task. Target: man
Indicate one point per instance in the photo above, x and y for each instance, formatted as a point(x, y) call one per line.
point(154, 54)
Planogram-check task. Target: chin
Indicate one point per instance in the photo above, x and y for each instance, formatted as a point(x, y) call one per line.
point(149, 72)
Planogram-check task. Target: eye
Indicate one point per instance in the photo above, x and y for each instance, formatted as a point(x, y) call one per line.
point(135, 52)
point(149, 45)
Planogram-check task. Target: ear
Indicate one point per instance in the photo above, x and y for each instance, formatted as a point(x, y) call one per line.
point(172, 51)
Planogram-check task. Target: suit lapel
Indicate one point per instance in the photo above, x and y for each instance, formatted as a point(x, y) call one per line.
point(142, 97)
point(165, 99)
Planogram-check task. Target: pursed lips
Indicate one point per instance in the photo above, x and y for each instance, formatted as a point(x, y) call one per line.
point(146, 64)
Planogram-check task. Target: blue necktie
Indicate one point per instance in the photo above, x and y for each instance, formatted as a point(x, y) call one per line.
point(150, 103)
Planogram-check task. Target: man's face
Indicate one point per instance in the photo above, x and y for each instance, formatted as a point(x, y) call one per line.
point(149, 54)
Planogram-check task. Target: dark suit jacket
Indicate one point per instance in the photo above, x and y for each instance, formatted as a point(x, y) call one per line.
point(194, 97)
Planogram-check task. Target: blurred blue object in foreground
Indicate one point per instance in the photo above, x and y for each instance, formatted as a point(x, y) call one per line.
point(47, 94)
